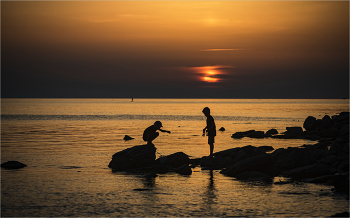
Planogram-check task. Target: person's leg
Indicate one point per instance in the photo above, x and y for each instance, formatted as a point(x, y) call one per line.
point(152, 137)
point(211, 144)
point(211, 149)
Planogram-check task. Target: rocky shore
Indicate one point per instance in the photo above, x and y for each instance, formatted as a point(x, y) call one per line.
point(327, 161)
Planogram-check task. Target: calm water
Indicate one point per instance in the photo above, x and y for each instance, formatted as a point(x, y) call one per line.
point(68, 143)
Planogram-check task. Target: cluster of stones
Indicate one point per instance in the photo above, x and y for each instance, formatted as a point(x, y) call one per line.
point(327, 161)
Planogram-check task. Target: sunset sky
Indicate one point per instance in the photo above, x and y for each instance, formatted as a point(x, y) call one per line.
point(175, 49)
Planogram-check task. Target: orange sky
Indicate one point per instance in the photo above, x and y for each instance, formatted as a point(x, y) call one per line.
point(162, 42)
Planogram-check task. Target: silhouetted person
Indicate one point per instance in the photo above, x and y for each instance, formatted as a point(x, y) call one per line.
point(151, 132)
point(210, 129)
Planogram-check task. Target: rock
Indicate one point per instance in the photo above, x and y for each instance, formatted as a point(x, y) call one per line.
point(174, 160)
point(127, 138)
point(292, 158)
point(239, 135)
point(310, 171)
point(216, 163)
point(272, 132)
point(253, 175)
point(341, 182)
point(309, 123)
point(135, 157)
point(13, 165)
point(320, 179)
point(227, 153)
point(327, 122)
point(248, 151)
point(342, 214)
point(261, 163)
point(222, 129)
point(256, 134)
point(184, 170)
point(266, 148)
point(295, 131)
point(160, 169)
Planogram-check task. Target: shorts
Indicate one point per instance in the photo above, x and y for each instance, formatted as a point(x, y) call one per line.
point(211, 139)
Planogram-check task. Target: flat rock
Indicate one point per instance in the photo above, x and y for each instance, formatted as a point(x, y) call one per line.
point(13, 165)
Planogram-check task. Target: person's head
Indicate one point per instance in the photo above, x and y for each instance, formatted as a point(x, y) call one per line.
point(158, 124)
point(206, 111)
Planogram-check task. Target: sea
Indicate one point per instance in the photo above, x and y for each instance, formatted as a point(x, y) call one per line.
point(67, 145)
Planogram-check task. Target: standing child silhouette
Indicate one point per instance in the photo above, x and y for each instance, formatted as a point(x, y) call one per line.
point(210, 129)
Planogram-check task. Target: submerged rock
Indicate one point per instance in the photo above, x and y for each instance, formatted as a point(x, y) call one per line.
point(184, 170)
point(13, 165)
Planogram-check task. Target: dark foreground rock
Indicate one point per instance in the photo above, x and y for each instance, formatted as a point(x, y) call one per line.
point(13, 165)
point(134, 157)
point(174, 160)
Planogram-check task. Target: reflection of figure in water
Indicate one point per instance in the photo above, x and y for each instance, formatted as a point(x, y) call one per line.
point(210, 196)
point(210, 129)
point(151, 132)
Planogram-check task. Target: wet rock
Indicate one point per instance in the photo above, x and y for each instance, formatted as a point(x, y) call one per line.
point(266, 148)
point(229, 153)
point(256, 134)
point(320, 179)
point(127, 138)
point(292, 158)
point(309, 123)
point(135, 157)
point(160, 169)
point(174, 160)
point(310, 171)
point(327, 122)
point(184, 170)
point(216, 163)
point(253, 175)
point(341, 182)
point(239, 135)
point(248, 151)
point(222, 129)
point(13, 165)
point(342, 214)
point(260, 163)
point(294, 131)
point(272, 132)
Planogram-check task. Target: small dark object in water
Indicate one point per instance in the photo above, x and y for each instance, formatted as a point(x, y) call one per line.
point(126, 138)
point(13, 165)
point(222, 129)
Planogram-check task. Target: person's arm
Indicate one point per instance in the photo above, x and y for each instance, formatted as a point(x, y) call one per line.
point(164, 131)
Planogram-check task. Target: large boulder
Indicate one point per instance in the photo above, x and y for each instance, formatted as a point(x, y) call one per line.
point(290, 158)
point(227, 153)
point(327, 122)
point(261, 163)
point(309, 123)
point(13, 165)
point(310, 171)
point(174, 160)
point(239, 135)
point(135, 157)
point(184, 170)
point(294, 131)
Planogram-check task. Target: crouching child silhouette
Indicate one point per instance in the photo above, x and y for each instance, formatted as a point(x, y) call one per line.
point(151, 133)
point(210, 129)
